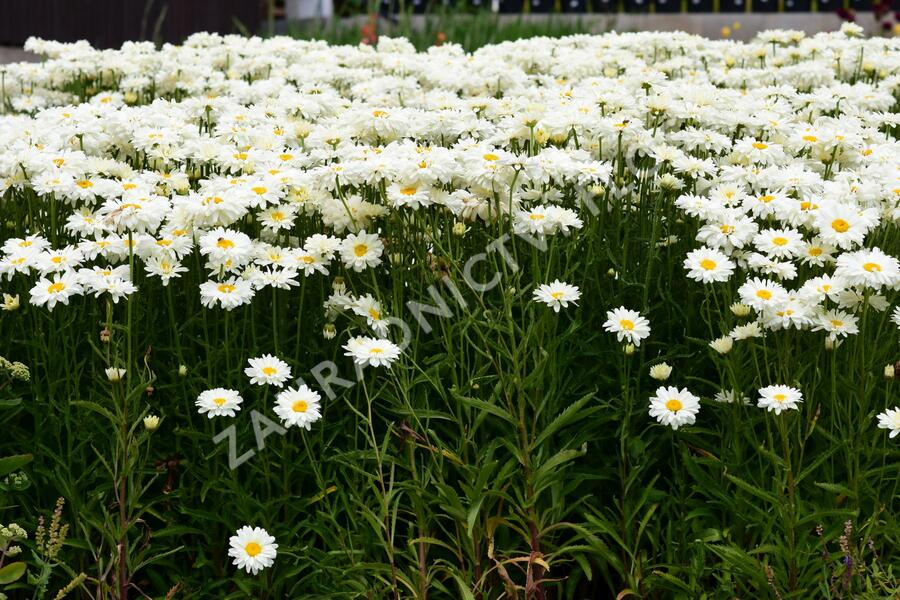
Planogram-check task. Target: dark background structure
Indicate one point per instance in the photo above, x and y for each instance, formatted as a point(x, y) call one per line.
point(108, 23)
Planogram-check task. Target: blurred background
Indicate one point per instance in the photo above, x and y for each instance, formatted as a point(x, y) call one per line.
point(471, 23)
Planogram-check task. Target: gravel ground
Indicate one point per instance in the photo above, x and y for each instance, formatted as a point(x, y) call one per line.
point(10, 54)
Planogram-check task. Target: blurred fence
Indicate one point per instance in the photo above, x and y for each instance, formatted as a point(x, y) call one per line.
point(108, 23)
point(637, 6)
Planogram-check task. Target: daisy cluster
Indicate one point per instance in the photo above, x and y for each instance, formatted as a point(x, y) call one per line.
point(780, 153)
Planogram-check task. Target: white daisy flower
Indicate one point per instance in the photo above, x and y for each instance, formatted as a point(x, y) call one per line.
point(219, 402)
point(557, 294)
point(298, 407)
point(871, 268)
point(268, 370)
point(890, 419)
point(57, 291)
point(836, 323)
point(708, 265)
point(627, 325)
point(370, 351)
point(231, 293)
point(761, 294)
point(779, 398)
point(252, 549)
point(674, 407)
point(361, 250)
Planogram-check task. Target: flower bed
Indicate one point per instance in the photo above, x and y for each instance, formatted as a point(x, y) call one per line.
point(596, 316)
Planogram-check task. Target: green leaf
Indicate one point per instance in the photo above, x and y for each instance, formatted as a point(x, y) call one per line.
point(11, 572)
point(487, 407)
point(761, 494)
point(835, 488)
point(8, 464)
point(571, 414)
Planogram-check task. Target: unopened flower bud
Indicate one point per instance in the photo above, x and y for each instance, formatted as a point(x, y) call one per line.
point(329, 331)
point(10, 303)
point(151, 422)
point(661, 371)
point(740, 309)
point(889, 371)
point(629, 349)
point(722, 345)
point(114, 374)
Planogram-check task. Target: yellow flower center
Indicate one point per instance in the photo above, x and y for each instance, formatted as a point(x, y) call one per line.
point(219, 401)
point(490, 157)
point(779, 398)
point(360, 249)
point(760, 145)
point(376, 351)
point(840, 225)
point(380, 114)
point(277, 216)
point(259, 190)
point(764, 294)
point(556, 295)
point(870, 267)
point(765, 199)
point(779, 241)
point(708, 264)
point(269, 371)
point(726, 229)
point(300, 406)
point(837, 323)
point(626, 325)
point(225, 243)
point(226, 288)
point(374, 314)
point(674, 405)
point(84, 184)
point(408, 191)
point(815, 251)
point(810, 138)
point(55, 288)
point(252, 549)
